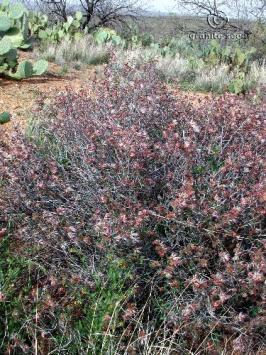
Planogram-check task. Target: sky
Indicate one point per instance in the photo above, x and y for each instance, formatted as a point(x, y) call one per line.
point(161, 5)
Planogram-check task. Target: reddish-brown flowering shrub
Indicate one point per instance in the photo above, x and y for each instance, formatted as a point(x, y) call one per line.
point(184, 186)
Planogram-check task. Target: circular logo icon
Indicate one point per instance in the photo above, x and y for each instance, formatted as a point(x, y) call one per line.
point(217, 20)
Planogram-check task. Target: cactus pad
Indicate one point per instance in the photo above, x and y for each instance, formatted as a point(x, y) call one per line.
point(40, 67)
point(5, 45)
point(5, 23)
point(17, 11)
point(4, 117)
point(24, 70)
point(15, 36)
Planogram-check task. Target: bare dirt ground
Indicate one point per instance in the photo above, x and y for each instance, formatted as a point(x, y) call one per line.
point(18, 97)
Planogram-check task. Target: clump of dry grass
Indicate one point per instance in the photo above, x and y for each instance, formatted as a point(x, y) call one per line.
point(258, 73)
point(215, 79)
point(171, 68)
point(77, 52)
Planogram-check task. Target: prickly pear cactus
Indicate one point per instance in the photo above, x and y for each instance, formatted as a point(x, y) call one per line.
point(14, 32)
point(14, 24)
point(104, 35)
point(37, 22)
point(69, 30)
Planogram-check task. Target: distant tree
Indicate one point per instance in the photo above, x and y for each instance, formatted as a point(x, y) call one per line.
point(216, 11)
point(58, 9)
point(109, 12)
point(96, 12)
point(241, 9)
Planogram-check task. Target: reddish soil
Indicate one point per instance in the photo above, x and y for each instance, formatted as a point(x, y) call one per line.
point(18, 97)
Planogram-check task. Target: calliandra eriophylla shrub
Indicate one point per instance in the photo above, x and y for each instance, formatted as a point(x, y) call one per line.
point(182, 185)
